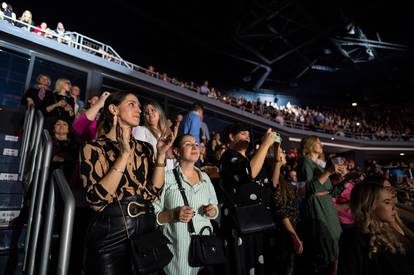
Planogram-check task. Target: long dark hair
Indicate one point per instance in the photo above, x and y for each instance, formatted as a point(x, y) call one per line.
point(106, 119)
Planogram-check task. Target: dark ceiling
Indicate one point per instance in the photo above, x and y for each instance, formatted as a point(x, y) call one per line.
point(197, 40)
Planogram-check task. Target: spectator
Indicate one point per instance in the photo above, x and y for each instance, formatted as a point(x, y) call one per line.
point(191, 124)
point(245, 182)
point(379, 243)
point(58, 104)
point(319, 214)
point(287, 217)
point(116, 169)
point(62, 36)
point(174, 216)
point(7, 10)
point(27, 19)
point(65, 148)
point(155, 126)
point(85, 126)
point(204, 89)
point(79, 104)
point(205, 132)
point(43, 30)
point(37, 94)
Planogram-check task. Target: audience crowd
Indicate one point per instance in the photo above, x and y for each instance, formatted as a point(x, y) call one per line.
point(324, 214)
point(366, 123)
point(299, 186)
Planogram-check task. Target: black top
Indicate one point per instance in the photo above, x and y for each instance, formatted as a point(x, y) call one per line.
point(36, 95)
point(354, 259)
point(236, 178)
point(52, 98)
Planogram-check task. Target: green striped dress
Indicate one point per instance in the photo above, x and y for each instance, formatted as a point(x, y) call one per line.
point(198, 195)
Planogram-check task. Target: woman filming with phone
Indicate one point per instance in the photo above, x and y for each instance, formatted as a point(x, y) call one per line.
point(121, 181)
point(247, 190)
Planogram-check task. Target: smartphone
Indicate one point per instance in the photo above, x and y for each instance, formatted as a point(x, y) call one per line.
point(278, 138)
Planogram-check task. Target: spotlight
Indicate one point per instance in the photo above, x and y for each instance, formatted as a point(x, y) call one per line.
point(354, 104)
point(357, 124)
point(402, 154)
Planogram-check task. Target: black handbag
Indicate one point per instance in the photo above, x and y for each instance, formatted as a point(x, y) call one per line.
point(149, 251)
point(205, 250)
point(250, 218)
point(253, 218)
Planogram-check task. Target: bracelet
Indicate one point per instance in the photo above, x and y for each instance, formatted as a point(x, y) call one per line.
point(117, 170)
point(162, 164)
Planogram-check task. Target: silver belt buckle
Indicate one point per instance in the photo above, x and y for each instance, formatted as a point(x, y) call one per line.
point(137, 214)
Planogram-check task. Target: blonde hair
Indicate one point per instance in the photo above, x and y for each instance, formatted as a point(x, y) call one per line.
point(306, 144)
point(364, 200)
point(26, 17)
point(162, 122)
point(59, 84)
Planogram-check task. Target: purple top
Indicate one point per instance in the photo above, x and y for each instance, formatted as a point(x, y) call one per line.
point(84, 128)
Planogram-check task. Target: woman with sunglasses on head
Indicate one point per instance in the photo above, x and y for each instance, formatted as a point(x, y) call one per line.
point(171, 211)
point(58, 103)
point(379, 243)
point(121, 181)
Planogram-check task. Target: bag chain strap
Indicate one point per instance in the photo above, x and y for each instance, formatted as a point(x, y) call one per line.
point(123, 216)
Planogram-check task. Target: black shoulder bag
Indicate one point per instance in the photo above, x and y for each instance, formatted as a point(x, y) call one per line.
point(205, 250)
point(149, 251)
point(250, 218)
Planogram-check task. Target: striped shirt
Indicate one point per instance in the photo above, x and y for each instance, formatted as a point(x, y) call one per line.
point(198, 195)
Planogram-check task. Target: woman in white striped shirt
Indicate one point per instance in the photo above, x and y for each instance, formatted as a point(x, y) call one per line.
point(174, 216)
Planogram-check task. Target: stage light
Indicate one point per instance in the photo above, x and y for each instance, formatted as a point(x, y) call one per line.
point(357, 124)
point(402, 154)
point(354, 104)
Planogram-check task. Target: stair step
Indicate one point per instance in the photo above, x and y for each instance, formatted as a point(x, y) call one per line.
point(12, 238)
point(11, 187)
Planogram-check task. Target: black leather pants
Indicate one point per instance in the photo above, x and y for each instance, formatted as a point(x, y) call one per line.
point(107, 251)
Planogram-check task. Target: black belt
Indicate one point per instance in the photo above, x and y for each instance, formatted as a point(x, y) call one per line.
point(132, 207)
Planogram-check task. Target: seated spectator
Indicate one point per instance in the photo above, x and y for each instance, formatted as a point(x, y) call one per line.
point(79, 104)
point(65, 148)
point(27, 19)
point(85, 126)
point(380, 243)
point(37, 94)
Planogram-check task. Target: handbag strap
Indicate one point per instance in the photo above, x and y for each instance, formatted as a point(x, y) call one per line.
point(123, 215)
point(182, 191)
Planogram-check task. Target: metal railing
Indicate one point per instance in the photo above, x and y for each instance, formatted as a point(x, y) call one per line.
point(58, 183)
point(106, 52)
point(35, 138)
point(74, 40)
point(36, 201)
point(27, 127)
point(314, 128)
